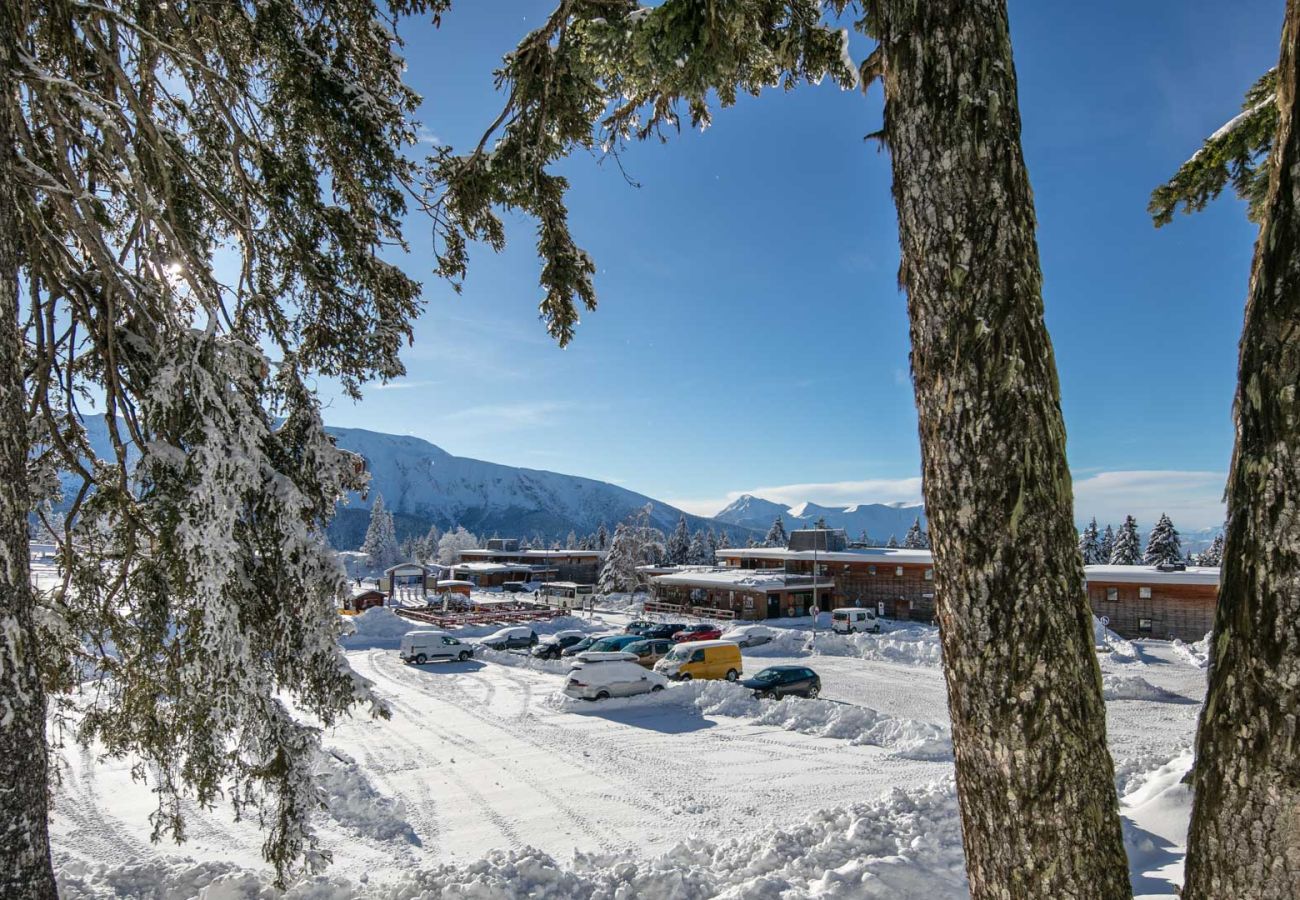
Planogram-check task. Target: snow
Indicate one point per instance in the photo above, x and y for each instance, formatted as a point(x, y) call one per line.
point(1152, 575)
point(486, 782)
point(767, 580)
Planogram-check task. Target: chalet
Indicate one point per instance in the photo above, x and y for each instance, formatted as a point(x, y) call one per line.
point(729, 592)
point(364, 600)
point(490, 574)
point(1155, 601)
point(582, 566)
point(452, 586)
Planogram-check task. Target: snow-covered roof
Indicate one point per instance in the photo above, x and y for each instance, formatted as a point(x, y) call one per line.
point(454, 582)
point(410, 565)
point(532, 554)
point(487, 568)
point(767, 580)
point(1152, 575)
point(896, 555)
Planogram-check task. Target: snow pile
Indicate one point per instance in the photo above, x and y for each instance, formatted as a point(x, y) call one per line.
point(523, 661)
point(1134, 687)
point(1121, 651)
point(377, 624)
point(353, 801)
point(859, 725)
point(915, 645)
point(904, 845)
point(1198, 654)
point(1155, 819)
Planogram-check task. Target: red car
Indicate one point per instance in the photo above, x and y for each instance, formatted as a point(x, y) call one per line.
point(697, 633)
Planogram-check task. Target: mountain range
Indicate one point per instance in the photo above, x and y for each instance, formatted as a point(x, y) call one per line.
point(878, 520)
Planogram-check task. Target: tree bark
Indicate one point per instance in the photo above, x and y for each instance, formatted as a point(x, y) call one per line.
point(1244, 840)
point(1034, 776)
point(25, 867)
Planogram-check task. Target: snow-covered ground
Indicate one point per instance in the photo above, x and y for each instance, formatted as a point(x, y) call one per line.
point(485, 783)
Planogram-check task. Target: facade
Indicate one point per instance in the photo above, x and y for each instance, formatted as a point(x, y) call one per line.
point(409, 579)
point(582, 566)
point(1154, 601)
point(489, 574)
point(364, 600)
point(730, 592)
point(1138, 601)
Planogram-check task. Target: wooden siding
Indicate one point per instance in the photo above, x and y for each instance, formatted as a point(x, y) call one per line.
point(1183, 611)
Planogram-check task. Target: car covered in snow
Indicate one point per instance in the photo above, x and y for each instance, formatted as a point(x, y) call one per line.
point(516, 637)
point(425, 645)
point(649, 652)
point(615, 642)
point(749, 635)
point(701, 632)
point(599, 676)
point(638, 626)
point(776, 682)
point(552, 645)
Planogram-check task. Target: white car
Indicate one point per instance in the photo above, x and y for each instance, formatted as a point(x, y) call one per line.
point(750, 635)
point(850, 618)
point(422, 646)
point(605, 675)
point(516, 637)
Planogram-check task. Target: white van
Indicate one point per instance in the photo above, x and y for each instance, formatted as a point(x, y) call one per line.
point(849, 618)
point(422, 646)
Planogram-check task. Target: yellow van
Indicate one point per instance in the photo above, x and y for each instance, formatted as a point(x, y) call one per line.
point(702, 659)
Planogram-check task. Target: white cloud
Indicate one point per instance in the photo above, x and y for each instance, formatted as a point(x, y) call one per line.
point(494, 418)
point(1193, 499)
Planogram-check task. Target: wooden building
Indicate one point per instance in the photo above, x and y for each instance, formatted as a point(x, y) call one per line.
point(490, 575)
point(1155, 602)
point(364, 600)
point(741, 593)
point(582, 566)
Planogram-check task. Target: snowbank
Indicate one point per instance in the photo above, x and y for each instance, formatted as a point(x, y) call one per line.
point(1134, 687)
point(909, 643)
point(352, 800)
point(376, 624)
point(905, 845)
point(1198, 654)
point(1155, 819)
point(523, 661)
point(858, 725)
point(1120, 650)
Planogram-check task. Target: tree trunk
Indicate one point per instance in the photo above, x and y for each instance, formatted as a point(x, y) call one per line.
point(1244, 840)
point(25, 869)
point(1034, 776)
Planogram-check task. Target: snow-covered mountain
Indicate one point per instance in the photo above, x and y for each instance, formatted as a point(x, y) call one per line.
point(879, 520)
point(423, 484)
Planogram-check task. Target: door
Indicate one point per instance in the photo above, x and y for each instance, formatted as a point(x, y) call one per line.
point(773, 606)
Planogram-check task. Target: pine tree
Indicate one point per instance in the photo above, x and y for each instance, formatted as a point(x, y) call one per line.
point(679, 544)
point(1246, 783)
point(698, 551)
point(1090, 544)
point(571, 542)
point(892, 543)
point(1213, 554)
point(1106, 545)
point(137, 140)
point(429, 546)
point(602, 537)
point(380, 545)
point(865, 539)
point(618, 575)
point(451, 544)
point(915, 539)
point(1163, 544)
point(776, 536)
point(1127, 550)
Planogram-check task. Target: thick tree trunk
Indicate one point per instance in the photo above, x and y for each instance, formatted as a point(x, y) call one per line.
point(25, 870)
point(1244, 840)
point(1034, 776)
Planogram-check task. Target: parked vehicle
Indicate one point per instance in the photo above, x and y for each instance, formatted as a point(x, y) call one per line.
point(425, 645)
point(514, 587)
point(749, 635)
point(602, 679)
point(638, 626)
point(702, 659)
point(649, 652)
point(551, 646)
point(616, 642)
point(779, 681)
point(850, 618)
point(584, 644)
point(666, 630)
point(698, 633)
point(516, 637)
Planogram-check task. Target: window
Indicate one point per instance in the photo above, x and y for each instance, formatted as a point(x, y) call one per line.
point(697, 656)
point(899, 571)
point(749, 602)
point(1144, 625)
point(929, 574)
point(1112, 595)
point(1144, 593)
point(871, 570)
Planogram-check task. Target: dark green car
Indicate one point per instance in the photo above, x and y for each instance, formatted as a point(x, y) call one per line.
point(776, 682)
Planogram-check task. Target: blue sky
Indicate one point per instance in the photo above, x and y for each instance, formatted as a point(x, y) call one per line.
point(750, 336)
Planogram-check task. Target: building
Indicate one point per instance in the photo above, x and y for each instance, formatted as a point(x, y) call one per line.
point(1138, 601)
point(409, 579)
point(582, 566)
point(729, 592)
point(491, 574)
point(1155, 601)
point(364, 600)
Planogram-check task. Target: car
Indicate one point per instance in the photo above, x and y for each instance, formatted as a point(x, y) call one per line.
point(615, 642)
point(749, 635)
point(638, 626)
point(424, 645)
point(600, 679)
point(584, 644)
point(851, 618)
point(701, 659)
point(516, 637)
point(514, 587)
point(665, 630)
point(649, 652)
point(775, 682)
point(553, 645)
point(700, 632)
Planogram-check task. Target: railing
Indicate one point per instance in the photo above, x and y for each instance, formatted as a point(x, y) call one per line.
point(455, 619)
point(705, 612)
